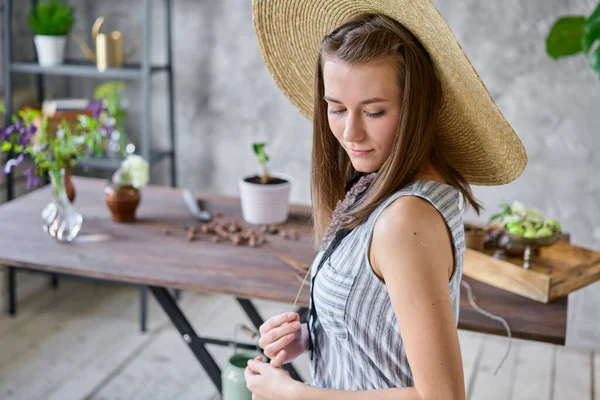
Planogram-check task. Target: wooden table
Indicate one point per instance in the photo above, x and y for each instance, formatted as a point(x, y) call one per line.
point(141, 253)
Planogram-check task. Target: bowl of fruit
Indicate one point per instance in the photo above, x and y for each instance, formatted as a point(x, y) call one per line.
point(526, 228)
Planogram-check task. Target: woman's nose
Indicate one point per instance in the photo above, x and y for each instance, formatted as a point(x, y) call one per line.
point(354, 130)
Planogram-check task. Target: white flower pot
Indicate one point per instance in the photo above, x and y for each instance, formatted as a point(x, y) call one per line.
point(50, 49)
point(264, 204)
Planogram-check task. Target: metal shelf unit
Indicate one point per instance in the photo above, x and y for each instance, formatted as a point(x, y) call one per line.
point(142, 72)
point(79, 68)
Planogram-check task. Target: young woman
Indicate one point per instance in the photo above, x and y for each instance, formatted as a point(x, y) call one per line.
point(395, 146)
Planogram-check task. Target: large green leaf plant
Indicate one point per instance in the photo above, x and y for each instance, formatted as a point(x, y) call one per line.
point(575, 34)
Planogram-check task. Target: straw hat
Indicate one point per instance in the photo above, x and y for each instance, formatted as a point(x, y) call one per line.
point(479, 141)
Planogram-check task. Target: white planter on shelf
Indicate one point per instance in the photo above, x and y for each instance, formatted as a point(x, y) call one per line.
point(264, 204)
point(50, 49)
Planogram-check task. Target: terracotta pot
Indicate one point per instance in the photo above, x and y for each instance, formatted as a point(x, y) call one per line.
point(69, 186)
point(122, 202)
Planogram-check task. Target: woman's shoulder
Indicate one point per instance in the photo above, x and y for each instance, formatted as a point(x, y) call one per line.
point(411, 222)
point(406, 212)
point(437, 193)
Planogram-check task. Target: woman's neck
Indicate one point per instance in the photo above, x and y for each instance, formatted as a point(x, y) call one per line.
point(428, 172)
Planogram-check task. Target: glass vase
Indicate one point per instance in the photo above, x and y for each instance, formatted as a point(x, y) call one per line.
point(60, 219)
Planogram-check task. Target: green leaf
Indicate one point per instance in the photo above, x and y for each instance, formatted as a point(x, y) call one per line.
point(565, 37)
point(109, 89)
point(594, 60)
point(6, 147)
point(591, 30)
point(51, 17)
point(496, 216)
point(258, 148)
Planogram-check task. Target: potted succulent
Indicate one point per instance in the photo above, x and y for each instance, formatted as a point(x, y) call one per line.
point(122, 194)
point(574, 34)
point(264, 197)
point(51, 21)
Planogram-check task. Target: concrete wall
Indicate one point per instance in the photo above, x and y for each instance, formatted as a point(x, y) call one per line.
point(226, 99)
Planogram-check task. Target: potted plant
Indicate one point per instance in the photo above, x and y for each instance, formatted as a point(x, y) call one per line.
point(264, 198)
point(525, 228)
point(572, 35)
point(51, 21)
point(122, 194)
point(27, 138)
point(111, 94)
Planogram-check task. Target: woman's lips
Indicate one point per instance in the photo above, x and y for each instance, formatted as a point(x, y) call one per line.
point(359, 152)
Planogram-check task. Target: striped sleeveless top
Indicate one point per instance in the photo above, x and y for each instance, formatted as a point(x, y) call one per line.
point(359, 343)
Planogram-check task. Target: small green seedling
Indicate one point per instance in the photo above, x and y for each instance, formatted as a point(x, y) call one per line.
point(263, 159)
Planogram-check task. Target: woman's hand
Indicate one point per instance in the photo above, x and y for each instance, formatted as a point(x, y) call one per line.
point(283, 338)
point(267, 382)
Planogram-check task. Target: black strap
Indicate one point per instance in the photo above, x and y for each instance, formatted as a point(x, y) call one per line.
point(339, 235)
point(312, 338)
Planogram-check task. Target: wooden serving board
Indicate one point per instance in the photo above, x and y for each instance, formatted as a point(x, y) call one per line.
point(557, 271)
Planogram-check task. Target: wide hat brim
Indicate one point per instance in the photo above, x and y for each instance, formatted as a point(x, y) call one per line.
point(478, 140)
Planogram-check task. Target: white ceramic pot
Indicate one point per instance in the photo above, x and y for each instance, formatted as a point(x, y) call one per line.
point(50, 49)
point(265, 204)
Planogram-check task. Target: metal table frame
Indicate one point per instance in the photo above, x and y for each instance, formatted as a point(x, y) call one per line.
point(197, 344)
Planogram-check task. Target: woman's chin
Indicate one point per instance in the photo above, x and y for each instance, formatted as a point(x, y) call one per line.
point(364, 167)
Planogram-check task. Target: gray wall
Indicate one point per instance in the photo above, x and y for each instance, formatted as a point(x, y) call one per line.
point(226, 99)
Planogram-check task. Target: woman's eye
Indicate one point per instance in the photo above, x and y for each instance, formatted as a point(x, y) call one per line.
point(375, 115)
point(336, 111)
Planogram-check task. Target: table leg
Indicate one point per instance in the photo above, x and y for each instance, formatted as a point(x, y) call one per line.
point(257, 320)
point(195, 343)
point(54, 281)
point(144, 309)
point(12, 291)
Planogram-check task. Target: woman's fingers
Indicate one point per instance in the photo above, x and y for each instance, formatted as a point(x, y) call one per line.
point(274, 348)
point(279, 359)
point(277, 333)
point(277, 320)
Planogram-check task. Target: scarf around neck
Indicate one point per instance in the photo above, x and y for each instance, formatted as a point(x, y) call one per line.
point(355, 188)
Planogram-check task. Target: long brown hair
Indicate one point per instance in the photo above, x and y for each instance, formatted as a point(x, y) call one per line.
point(362, 39)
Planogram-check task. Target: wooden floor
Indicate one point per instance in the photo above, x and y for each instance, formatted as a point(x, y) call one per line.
point(82, 342)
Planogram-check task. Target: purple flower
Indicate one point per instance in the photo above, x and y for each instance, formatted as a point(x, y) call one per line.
point(13, 163)
point(11, 129)
point(33, 180)
point(89, 151)
point(25, 136)
point(97, 108)
point(106, 131)
point(18, 124)
point(24, 133)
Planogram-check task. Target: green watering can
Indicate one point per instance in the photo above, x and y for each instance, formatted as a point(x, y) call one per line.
point(232, 376)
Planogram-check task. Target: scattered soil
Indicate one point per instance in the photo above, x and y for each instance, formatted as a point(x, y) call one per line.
point(229, 230)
